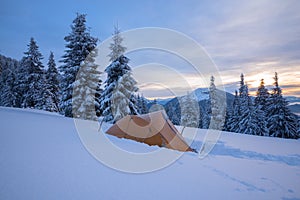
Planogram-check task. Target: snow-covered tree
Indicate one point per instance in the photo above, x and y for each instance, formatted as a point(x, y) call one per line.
point(51, 94)
point(298, 128)
point(32, 83)
point(243, 95)
point(217, 108)
point(205, 114)
point(122, 97)
point(262, 96)
point(234, 116)
point(252, 120)
point(281, 121)
point(118, 94)
point(79, 45)
point(8, 91)
point(141, 104)
point(85, 89)
point(189, 111)
point(116, 47)
point(98, 93)
point(144, 108)
point(240, 107)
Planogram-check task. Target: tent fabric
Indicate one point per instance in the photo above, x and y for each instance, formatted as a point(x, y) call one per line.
point(153, 129)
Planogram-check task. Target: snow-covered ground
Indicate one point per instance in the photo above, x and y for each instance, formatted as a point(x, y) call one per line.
point(42, 157)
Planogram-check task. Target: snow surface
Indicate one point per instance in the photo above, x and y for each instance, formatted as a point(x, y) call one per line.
point(42, 157)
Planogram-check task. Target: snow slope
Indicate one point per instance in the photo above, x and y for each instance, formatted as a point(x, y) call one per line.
point(42, 157)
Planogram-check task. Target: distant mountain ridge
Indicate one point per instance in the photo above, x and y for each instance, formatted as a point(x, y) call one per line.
point(172, 106)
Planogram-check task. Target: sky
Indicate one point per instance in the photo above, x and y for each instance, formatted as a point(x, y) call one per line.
point(255, 37)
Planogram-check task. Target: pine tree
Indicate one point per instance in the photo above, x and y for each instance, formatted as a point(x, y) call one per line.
point(116, 47)
point(281, 121)
point(51, 94)
point(189, 111)
point(117, 96)
point(79, 45)
point(32, 85)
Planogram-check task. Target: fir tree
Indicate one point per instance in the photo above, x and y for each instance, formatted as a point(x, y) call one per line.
point(116, 47)
point(144, 108)
point(262, 96)
point(189, 111)
point(117, 99)
point(8, 91)
point(32, 84)
point(243, 94)
point(252, 120)
point(8, 82)
point(206, 117)
point(281, 121)
point(298, 127)
point(123, 101)
point(85, 89)
point(98, 93)
point(141, 104)
point(217, 110)
point(234, 117)
point(79, 45)
point(51, 101)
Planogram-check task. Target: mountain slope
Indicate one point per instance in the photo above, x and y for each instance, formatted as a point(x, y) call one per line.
point(42, 157)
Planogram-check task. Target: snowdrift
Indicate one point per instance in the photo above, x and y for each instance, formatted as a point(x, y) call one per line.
point(42, 157)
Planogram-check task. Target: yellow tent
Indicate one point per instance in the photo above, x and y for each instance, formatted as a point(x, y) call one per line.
point(153, 129)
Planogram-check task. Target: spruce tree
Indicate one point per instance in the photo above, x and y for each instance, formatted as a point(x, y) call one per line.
point(243, 95)
point(262, 96)
point(116, 47)
point(85, 89)
point(189, 111)
point(240, 107)
point(79, 45)
point(8, 91)
point(117, 96)
point(217, 108)
point(144, 108)
point(141, 104)
point(31, 83)
point(281, 121)
point(51, 101)
point(98, 93)
point(252, 120)
point(298, 127)
point(234, 117)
